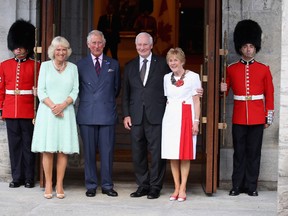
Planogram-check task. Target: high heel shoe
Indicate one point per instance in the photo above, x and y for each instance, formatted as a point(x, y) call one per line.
point(181, 199)
point(48, 196)
point(60, 196)
point(173, 197)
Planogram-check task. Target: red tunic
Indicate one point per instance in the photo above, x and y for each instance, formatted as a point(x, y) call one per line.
point(250, 78)
point(17, 76)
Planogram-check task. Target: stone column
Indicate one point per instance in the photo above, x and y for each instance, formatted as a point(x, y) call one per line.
point(283, 125)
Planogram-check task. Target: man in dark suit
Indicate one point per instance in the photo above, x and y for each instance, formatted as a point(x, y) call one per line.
point(143, 104)
point(97, 115)
point(110, 25)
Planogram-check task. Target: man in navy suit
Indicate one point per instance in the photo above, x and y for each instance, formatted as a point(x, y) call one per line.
point(143, 108)
point(99, 85)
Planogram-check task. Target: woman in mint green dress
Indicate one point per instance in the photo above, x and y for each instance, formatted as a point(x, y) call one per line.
point(55, 128)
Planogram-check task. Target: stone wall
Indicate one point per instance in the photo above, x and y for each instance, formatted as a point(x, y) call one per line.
point(9, 12)
point(268, 14)
point(283, 122)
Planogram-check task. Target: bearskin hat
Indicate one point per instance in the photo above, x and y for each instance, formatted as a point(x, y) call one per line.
point(21, 34)
point(247, 31)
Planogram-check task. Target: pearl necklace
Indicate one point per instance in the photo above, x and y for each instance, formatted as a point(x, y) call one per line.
point(61, 67)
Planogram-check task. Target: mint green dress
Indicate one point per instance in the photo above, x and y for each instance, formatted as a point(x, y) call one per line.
point(51, 133)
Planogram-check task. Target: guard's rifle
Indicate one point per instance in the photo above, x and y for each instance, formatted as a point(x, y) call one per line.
point(224, 53)
point(35, 75)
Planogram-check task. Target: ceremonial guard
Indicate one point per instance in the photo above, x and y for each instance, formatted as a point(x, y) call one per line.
point(17, 101)
point(252, 86)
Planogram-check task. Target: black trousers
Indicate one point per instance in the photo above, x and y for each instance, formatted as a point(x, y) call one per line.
point(20, 132)
point(247, 144)
point(146, 140)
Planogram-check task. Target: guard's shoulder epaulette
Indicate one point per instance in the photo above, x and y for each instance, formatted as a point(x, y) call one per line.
point(7, 60)
point(262, 63)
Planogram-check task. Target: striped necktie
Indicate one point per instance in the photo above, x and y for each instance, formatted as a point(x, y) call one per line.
point(143, 70)
point(97, 66)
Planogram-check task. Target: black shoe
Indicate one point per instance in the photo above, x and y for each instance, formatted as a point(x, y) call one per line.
point(253, 193)
point(91, 193)
point(139, 193)
point(29, 184)
point(153, 194)
point(15, 184)
point(110, 192)
point(234, 192)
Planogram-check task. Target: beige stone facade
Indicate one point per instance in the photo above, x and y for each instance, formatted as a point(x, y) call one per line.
point(272, 17)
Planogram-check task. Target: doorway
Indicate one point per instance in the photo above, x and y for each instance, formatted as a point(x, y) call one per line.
point(200, 40)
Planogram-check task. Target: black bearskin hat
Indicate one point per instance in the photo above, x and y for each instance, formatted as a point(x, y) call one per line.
point(21, 34)
point(247, 31)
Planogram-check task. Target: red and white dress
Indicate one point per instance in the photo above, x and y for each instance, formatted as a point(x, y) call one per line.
point(178, 141)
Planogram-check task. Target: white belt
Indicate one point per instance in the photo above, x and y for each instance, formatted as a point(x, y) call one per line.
point(19, 92)
point(248, 97)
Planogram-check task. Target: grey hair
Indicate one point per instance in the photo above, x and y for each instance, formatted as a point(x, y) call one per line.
point(96, 33)
point(59, 41)
point(147, 35)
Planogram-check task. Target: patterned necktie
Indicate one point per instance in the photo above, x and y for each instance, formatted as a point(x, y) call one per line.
point(97, 66)
point(143, 70)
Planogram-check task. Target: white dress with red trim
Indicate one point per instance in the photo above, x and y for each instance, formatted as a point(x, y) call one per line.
point(178, 141)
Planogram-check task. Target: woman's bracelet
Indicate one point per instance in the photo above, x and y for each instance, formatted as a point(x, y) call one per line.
point(196, 120)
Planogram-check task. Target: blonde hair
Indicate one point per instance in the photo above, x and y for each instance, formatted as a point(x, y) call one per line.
point(59, 41)
point(178, 52)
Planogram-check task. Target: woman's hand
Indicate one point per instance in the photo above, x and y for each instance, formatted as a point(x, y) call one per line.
point(58, 109)
point(195, 129)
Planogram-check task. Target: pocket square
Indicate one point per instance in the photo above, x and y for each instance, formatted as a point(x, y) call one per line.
point(110, 70)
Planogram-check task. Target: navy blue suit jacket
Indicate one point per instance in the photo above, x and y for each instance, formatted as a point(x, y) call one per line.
point(97, 94)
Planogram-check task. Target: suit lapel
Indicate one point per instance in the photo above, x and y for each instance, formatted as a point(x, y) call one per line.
point(135, 70)
point(91, 68)
point(103, 71)
point(152, 68)
point(104, 68)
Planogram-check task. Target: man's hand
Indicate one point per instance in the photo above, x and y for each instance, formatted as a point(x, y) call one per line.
point(223, 86)
point(34, 90)
point(127, 123)
point(200, 92)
